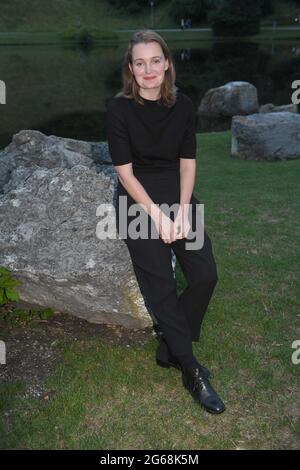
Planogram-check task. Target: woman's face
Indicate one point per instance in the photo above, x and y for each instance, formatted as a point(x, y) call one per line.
point(149, 66)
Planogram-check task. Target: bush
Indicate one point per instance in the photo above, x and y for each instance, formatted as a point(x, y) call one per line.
point(82, 35)
point(235, 18)
point(8, 293)
point(194, 9)
point(21, 317)
point(131, 7)
point(134, 7)
point(7, 287)
point(267, 7)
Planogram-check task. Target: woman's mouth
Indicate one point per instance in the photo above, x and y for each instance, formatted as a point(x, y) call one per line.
point(149, 78)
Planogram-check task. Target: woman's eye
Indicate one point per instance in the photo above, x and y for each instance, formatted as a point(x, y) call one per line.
point(157, 61)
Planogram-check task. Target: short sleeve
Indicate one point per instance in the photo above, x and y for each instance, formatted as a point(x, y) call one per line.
point(188, 146)
point(117, 135)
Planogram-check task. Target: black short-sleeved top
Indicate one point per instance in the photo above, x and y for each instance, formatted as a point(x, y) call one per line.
point(151, 136)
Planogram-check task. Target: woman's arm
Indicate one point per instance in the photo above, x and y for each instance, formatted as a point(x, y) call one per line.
point(136, 190)
point(164, 225)
point(121, 155)
point(187, 155)
point(187, 179)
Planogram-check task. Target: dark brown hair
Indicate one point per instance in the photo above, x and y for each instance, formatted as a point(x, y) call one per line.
point(130, 89)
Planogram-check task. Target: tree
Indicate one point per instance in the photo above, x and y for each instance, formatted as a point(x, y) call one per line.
point(267, 7)
point(132, 6)
point(236, 18)
point(195, 9)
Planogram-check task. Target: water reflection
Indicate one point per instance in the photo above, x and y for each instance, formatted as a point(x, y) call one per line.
point(185, 54)
point(296, 50)
point(64, 91)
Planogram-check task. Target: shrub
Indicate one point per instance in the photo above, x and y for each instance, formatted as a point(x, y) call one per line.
point(236, 18)
point(7, 287)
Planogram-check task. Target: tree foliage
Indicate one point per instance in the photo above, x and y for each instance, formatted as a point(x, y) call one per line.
point(236, 18)
point(131, 6)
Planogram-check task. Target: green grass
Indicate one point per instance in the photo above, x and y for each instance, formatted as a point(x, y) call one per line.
point(43, 22)
point(113, 36)
point(112, 397)
point(56, 15)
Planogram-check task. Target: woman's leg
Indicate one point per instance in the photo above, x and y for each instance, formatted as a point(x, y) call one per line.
point(151, 259)
point(199, 268)
point(152, 263)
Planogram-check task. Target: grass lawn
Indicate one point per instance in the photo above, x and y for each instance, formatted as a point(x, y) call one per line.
point(57, 15)
point(112, 397)
point(115, 36)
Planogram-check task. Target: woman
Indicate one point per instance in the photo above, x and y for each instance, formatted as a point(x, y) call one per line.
point(150, 129)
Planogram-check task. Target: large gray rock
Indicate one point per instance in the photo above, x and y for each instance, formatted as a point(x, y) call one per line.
point(266, 136)
point(229, 100)
point(50, 189)
point(271, 108)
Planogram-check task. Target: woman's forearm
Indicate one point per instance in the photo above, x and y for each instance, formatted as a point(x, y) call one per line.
point(187, 181)
point(138, 193)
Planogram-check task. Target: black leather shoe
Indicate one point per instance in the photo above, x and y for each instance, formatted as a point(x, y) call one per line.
point(164, 358)
point(202, 391)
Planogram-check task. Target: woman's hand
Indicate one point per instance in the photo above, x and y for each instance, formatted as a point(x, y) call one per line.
point(182, 223)
point(170, 231)
point(165, 227)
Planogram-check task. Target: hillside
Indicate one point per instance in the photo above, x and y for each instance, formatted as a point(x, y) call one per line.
point(61, 15)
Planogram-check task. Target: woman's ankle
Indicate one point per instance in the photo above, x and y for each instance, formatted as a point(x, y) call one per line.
point(187, 361)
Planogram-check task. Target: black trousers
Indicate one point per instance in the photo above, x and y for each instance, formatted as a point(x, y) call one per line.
point(179, 317)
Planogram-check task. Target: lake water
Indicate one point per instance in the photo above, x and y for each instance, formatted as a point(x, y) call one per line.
point(64, 90)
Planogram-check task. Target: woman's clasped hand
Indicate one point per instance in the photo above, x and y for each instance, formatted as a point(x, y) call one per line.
point(170, 231)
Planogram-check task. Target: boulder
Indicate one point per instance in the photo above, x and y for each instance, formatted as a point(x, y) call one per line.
point(266, 136)
point(50, 189)
point(230, 99)
point(271, 108)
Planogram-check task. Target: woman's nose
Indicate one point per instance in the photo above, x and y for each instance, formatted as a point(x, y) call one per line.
point(148, 68)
